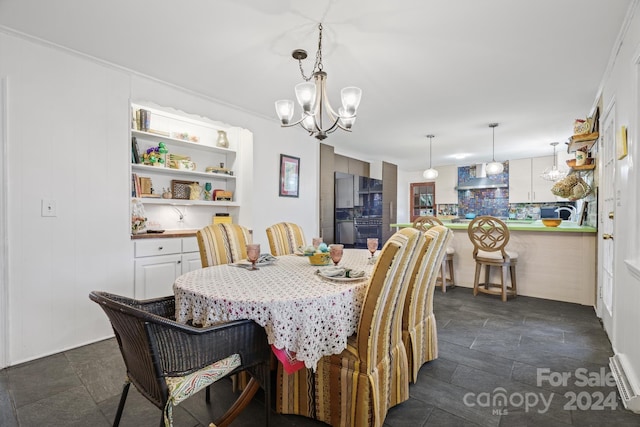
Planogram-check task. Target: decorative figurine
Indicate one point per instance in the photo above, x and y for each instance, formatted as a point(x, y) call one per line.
point(195, 190)
point(223, 142)
point(207, 191)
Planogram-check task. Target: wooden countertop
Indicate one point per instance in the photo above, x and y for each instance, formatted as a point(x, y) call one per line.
point(166, 234)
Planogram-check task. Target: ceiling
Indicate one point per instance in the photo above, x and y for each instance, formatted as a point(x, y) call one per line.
point(442, 67)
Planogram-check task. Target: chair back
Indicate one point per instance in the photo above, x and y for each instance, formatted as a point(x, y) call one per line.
point(129, 325)
point(222, 244)
point(285, 238)
point(379, 328)
point(488, 234)
point(423, 223)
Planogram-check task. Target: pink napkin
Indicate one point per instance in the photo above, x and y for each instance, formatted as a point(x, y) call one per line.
point(288, 359)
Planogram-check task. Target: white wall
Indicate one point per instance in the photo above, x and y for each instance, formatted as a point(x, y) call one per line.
point(68, 140)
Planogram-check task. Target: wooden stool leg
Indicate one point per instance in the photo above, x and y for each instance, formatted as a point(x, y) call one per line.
point(476, 279)
point(487, 275)
point(503, 280)
point(512, 269)
point(443, 273)
point(453, 280)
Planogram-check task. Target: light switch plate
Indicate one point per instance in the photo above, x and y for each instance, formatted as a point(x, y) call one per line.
point(49, 207)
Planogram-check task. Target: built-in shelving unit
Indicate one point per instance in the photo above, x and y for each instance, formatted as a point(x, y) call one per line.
point(579, 141)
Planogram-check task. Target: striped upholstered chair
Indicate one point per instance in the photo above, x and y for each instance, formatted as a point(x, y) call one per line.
point(222, 244)
point(419, 333)
point(424, 223)
point(357, 387)
point(285, 238)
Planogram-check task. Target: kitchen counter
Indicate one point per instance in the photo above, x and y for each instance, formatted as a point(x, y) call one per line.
point(555, 263)
point(520, 225)
point(165, 234)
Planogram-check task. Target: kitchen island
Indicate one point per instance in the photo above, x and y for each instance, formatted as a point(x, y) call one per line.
point(556, 263)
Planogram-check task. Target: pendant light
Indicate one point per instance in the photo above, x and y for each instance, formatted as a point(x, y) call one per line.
point(494, 168)
point(553, 173)
point(430, 174)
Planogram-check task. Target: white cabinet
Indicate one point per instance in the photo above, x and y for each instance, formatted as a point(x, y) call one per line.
point(446, 183)
point(525, 183)
point(158, 262)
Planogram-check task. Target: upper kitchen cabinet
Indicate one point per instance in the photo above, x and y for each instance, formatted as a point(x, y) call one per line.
point(525, 183)
point(445, 191)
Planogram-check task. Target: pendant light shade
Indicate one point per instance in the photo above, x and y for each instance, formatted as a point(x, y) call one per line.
point(553, 173)
point(430, 174)
point(494, 168)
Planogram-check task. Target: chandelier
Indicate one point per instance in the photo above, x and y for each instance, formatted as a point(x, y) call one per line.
point(553, 173)
point(430, 174)
point(494, 168)
point(318, 117)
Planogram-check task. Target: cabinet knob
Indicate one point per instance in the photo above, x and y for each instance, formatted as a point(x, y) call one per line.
point(607, 236)
point(160, 248)
point(179, 261)
point(611, 215)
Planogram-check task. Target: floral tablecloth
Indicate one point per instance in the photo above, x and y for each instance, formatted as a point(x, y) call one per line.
point(302, 312)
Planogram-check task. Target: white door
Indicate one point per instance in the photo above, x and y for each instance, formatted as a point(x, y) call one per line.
point(606, 215)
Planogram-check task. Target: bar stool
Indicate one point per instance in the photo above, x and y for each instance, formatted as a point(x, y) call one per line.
point(490, 236)
point(423, 223)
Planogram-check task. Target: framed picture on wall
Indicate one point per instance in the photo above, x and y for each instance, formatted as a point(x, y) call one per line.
point(289, 176)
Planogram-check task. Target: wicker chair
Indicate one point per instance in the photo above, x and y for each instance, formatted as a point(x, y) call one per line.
point(419, 333)
point(424, 223)
point(358, 386)
point(285, 238)
point(223, 244)
point(490, 236)
point(168, 361)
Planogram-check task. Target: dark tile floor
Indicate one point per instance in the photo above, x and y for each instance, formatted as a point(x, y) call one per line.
point(500, 364)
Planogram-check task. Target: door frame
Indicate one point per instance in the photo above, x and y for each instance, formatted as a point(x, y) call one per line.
point(606, 192)
point(4, 222)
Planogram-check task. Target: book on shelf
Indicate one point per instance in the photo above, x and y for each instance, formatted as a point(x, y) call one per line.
point(135, 185)
point(145, 186)
point(143, 119)
point(135, 150)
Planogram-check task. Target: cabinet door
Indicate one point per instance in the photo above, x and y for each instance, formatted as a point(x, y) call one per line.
point(154, 276)
point(422, 201)
point(446, 193)
point(520, 181)
point(191, 261)
point(344, 192)
point(540, 188)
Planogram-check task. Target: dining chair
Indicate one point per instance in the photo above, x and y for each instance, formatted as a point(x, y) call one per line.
point(419, 333)
point(424, 223)
point(168, 362)
point(358, 386)
point(222, 244)
point(489, 236)
point(285, 238)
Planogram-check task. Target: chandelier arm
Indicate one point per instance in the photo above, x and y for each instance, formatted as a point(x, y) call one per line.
point(288, 125)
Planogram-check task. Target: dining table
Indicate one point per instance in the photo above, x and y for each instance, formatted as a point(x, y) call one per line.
point(306, 315)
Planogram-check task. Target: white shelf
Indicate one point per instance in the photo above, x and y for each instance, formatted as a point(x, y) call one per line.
point(185, 202)
point(182, 142)
point(139, 167)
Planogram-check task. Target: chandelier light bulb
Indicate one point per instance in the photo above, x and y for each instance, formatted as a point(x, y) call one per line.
point(306, 95)
point(284, 108)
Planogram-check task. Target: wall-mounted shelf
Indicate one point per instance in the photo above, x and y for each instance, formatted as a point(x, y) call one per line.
point(187, 174)
point(186, 202)
point(181, 142)
point(579, 141)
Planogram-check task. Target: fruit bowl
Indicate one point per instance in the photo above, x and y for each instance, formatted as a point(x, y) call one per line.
point(320, 258)
point(551, 222)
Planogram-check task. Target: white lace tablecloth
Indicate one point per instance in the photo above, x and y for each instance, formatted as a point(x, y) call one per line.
point(301, 312)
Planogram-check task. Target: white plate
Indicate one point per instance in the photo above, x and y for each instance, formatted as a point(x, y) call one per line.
point(246, 263)
point(341, 278)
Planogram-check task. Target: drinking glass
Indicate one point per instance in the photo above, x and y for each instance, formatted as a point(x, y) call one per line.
point(335, 251)
point(372, 245)
point(253, 253)
point(316, 242)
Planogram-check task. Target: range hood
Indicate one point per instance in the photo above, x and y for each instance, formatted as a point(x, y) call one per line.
point(480, 180)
